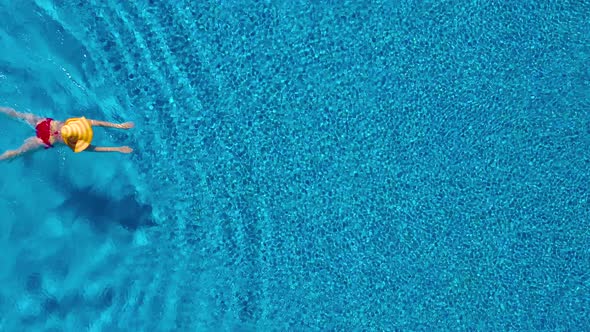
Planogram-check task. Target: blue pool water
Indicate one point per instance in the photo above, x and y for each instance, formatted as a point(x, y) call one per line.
point(299, 165)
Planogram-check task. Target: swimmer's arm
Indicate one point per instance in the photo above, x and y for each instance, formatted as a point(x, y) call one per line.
point(126, 125)
point(121, 149)
point(30, 144)
point(31, 119)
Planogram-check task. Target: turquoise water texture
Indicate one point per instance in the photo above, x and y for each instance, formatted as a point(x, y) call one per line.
point(299, 166)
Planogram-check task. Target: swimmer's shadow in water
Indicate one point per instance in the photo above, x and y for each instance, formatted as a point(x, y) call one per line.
point(103, 210)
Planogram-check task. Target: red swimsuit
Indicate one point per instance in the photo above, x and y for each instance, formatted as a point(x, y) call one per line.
point(44, 132)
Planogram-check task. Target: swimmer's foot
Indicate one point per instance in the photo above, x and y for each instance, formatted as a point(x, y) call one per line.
point(9, 155)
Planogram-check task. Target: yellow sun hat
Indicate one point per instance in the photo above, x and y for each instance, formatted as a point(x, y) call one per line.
point(77, 133)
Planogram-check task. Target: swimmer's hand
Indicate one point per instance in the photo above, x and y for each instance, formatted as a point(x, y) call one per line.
point(121, 149)
point(126, 125)
point(125, 149)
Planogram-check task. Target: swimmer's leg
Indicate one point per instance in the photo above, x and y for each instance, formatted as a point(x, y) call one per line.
point(31, 144)
point(126, 125)
point(121, 149)
point(29, 118)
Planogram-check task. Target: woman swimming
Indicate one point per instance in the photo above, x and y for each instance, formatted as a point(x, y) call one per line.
point(74, 132)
